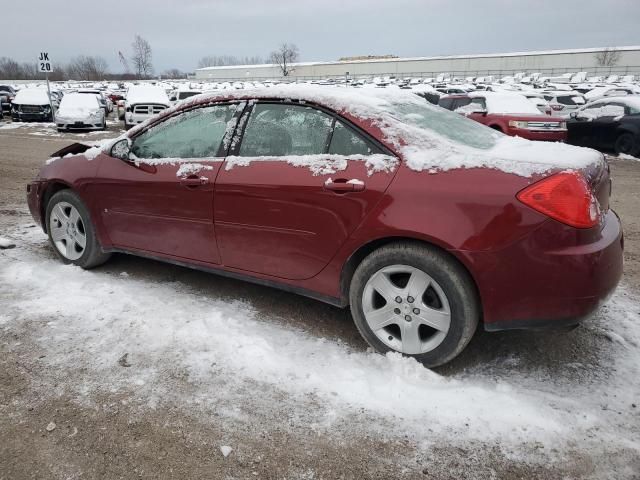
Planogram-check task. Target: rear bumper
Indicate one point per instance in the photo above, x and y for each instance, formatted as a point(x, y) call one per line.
point(535, 284)
point(541, 135)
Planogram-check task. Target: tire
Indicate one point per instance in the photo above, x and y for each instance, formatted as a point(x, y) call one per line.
point(63, 207)
point(449, 302)
point(626, 144)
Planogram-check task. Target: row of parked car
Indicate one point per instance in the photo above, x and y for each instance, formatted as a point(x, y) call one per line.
point(607, 124)
point(601, 115)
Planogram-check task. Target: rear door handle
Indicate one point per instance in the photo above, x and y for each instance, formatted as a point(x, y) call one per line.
point(342, 185)
point(193, 181)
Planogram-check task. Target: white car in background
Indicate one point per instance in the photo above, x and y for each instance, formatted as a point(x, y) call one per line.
point(563, 103)
point(79, 111)
point(143, 102)
point(183, 93)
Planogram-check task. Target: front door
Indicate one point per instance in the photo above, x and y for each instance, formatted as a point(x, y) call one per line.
point(161, 200)
point(300, 183)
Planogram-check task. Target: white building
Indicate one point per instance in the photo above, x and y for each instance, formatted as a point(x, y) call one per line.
point(550, 62)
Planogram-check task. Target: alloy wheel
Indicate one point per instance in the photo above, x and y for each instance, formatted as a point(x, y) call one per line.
point(67, 230)
point(406, 309)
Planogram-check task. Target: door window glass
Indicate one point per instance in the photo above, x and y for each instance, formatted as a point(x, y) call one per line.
point(347, 142)
point(278, 130)
point(193, 134)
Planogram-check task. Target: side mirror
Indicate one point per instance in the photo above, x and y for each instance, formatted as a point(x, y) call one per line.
point(573, 114)
point(121, 149)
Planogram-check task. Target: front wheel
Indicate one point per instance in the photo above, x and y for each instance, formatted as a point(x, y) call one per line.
point(71, 232)
point(415, 300)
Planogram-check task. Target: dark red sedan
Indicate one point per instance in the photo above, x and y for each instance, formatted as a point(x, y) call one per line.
point(423, 222)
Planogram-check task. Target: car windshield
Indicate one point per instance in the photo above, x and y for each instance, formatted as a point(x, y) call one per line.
point(445, 123)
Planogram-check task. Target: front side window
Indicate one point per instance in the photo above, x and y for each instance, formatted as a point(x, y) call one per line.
point(193, 134)
point(279, 130)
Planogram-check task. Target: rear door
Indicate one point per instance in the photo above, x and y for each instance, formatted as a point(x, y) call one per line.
point(161, 201)
point(299, 184)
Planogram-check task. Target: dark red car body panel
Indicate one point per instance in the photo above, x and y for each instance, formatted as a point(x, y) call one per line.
point(275, 224)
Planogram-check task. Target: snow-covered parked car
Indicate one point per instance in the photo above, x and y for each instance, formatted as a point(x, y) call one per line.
point(143, 102)
point(31, 105)
point(425, 223)
point(79, 111)
point(182, 94)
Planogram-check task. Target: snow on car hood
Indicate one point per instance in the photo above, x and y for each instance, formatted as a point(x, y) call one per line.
point(428, 137)
point(78, 105)
point(147, 94)
point(31, 96)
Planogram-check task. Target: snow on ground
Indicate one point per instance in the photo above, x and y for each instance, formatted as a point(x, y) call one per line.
point(87, 320)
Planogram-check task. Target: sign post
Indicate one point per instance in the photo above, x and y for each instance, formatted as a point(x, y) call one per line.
point(45, 65)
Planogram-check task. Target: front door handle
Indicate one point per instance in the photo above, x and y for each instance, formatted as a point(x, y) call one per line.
point(342, 185)
point(193, 181)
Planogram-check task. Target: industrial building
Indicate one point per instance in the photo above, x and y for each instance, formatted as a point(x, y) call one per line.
point(550, 62)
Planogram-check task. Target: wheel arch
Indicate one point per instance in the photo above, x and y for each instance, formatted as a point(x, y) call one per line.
point(52, 188)
point(350, 266)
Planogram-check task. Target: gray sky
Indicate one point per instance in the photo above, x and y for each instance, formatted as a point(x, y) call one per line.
point(181, 32)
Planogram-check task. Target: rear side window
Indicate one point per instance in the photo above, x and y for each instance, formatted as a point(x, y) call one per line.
point(193, 134)
point(345, 141)
point(279, 130)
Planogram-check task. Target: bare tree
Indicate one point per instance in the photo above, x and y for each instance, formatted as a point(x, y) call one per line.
point(284, 56)
point(173, 73)
point(141, 57)
point(10, 69)
point(607, 57)
point(87, 68)
point(223, 60)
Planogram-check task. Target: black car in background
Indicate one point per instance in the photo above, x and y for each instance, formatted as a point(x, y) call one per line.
point(7, 93)
point(611, 124)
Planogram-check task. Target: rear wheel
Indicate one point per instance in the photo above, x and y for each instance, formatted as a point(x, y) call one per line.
point(626, 144)
point(415, 300)
point(71, 232)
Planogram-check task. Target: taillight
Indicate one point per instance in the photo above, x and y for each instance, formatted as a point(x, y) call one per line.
point(565, 197)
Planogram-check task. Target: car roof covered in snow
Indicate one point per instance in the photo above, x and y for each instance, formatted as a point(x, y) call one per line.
point(426, 136)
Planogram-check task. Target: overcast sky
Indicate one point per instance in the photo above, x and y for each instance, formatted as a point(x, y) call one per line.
point(181, 32)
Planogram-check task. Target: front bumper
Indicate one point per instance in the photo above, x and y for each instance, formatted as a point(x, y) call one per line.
point(30, 117)
point(556, 276)
point(35, 190)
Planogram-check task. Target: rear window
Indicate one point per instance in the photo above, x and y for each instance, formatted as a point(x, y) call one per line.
point(570, 100)
point(445, 123)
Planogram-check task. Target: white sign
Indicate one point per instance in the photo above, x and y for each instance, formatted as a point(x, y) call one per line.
point(44, 64)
